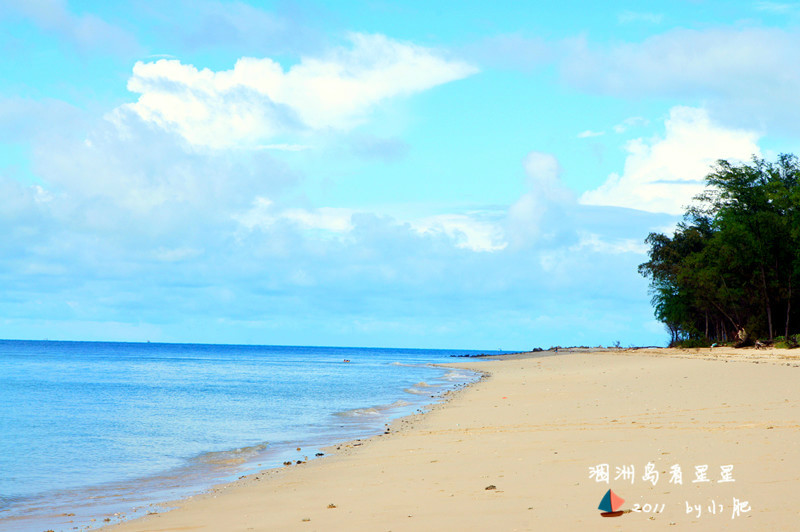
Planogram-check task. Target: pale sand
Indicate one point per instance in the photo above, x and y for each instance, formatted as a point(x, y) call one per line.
point(533, 429)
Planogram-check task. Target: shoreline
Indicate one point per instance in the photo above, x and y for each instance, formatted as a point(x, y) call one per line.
point(514, 451)
point(102, 505)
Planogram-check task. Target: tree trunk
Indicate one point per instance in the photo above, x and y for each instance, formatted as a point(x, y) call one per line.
point(766, 302)
point(788, 309)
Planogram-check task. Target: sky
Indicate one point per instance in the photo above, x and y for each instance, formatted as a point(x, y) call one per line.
point(475, 175)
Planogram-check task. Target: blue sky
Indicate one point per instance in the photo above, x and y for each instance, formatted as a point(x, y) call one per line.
point(412, 174)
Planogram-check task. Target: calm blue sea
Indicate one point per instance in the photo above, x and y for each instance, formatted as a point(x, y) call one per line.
point(96, 429)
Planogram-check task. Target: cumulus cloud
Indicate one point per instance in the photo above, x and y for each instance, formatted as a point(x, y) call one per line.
point(663, 174)
point(545, 201)
point(259, 100)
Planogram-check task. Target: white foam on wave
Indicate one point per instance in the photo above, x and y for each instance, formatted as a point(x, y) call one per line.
point(410, 365)
point(232, 457)
point(456, 376)
point(373, 411)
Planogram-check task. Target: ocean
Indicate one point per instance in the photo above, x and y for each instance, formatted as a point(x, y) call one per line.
point(95, 432)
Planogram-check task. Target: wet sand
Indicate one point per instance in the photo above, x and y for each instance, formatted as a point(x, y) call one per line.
point(518, 451)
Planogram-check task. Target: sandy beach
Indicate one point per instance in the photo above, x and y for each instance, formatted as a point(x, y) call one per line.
point(527, 447)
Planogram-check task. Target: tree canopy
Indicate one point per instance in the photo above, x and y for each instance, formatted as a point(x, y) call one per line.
point(733, 263)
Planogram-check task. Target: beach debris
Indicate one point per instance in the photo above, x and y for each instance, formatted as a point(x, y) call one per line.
point(743, 338)
point(320, 454)
point(331, 505)
point(298, 448)
point(490, 487)
point(306, 519)
point(288, 462)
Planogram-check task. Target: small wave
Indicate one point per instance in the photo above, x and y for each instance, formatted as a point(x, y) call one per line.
point(233, 457)
point(410, 365)
point(417, 391)
point(372, 411)
point(359, 412)
point(456, 376)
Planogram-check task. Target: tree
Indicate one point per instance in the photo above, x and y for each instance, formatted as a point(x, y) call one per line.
point(734, 261)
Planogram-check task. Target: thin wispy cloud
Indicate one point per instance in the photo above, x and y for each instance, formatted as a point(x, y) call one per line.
point(86, 32)
point(776, 7)
point(589, 134)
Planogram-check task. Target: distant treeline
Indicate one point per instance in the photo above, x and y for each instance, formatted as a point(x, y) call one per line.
point(730, 272)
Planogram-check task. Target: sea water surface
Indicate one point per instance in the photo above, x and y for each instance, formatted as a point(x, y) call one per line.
point(95, 432)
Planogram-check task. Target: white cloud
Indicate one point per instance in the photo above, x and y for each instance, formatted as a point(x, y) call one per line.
point(544, 176)
point(468, 232)
point(259, 100)
point(589, 134)
point(597, 244)
point(664, 174)
point(264, 214)
point(630, 122)
point(546, 198)
point(474, 231)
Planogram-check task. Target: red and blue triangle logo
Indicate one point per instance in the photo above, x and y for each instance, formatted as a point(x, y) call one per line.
point(610, 504)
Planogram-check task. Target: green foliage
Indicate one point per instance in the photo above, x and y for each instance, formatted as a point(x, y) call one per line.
point(788, 342)
point(734, 261)
point(693, 342)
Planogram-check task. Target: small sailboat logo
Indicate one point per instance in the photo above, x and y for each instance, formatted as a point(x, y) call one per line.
point(609, 506)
